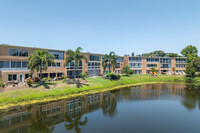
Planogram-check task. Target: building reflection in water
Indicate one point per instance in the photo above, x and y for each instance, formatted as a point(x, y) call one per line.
point(73, 112)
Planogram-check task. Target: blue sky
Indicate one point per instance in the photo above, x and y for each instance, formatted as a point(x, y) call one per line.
point(101, 26)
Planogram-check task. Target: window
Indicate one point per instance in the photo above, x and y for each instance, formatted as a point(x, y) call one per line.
point(58, 55)
point(165, 65)
point(152, 59)
point(4, 64)
point(12, 77)
point(135, 65)
point(70, 65)
point(26, 76)
point(135, 59)
point(137, 71)
point(180, 60)
point(180, 65)
point(18, 52)
point(119, 59)
point(58, 64)
point(94, 58)
point(54, 65)
point(165, 60)
point(15, 64)
point(151, 65)
point(118, 65)
point(24, 64)
point(93, 65)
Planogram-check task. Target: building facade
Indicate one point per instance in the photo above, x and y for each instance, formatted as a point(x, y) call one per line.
point(14, 60)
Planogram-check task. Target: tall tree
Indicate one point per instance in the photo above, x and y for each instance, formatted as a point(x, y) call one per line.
point(189, 50)
point(76, 57)
point(172, 55)
point(110, 59)
point(159, 53)
point(39, 61)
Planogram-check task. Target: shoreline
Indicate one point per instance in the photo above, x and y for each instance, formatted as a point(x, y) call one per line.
point(51, 99)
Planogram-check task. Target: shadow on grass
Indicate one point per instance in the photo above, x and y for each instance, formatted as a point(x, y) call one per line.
point(79, 84)
point(46, 85)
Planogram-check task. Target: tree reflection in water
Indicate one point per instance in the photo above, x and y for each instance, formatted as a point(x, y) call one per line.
point(191, 98)
point(73, 116)
point(39, 125)
point(109, 105)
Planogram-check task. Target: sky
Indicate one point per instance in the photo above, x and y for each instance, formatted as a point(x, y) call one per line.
point(101, 26)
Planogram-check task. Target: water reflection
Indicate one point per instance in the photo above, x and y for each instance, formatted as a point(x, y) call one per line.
point(74, 113)
point(191, 97)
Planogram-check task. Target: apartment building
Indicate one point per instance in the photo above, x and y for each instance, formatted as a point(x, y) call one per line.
point(14, 60)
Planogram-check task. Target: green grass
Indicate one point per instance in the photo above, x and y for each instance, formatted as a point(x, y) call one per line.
point(57, 89)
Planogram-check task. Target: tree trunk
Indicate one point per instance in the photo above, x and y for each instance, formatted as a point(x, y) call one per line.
point(74, 74)
point(109, 69)
point(41, 75)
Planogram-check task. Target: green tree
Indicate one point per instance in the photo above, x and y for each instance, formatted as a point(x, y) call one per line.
point(109, 60)
point(193, 66)
point(172, 55)
point(153, 70)
point(189, 50)
point(39, 61)
point(159, 53)
point(76, 57)
point(126, 70)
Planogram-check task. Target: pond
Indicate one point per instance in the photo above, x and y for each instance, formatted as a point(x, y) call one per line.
point(155, 108)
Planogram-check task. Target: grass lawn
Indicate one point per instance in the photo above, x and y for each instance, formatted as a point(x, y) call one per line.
point(57, 89)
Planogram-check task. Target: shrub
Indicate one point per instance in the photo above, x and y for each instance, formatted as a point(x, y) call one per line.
point(100, 74)
point(131, 72)
point(126, 70)
point(36, 79)
point(64, 80)
point(153, 70)
point(29, 81)
point(86, 72)
point(44, 79)
point(49, 79)
point(2, 84)
point(83, 75)
point(63, 77)
point(114, 76)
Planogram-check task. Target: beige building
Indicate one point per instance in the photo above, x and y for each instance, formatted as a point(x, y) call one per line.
point(14, 60)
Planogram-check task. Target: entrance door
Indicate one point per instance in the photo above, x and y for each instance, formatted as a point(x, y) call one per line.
point(21, 77)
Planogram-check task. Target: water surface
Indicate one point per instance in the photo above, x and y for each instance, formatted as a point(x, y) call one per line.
point(155, 108)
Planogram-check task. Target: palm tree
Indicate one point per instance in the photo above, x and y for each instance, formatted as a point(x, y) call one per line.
point(104, 65)
point(75, 56)
point(110, 59)
point(74, 122)
point(40, 125)
point(39, 61)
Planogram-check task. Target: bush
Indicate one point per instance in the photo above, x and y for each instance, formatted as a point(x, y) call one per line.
point(63, 77)
point(86, 72)
point(126, 70)
point(114, 76)
point(83, 75)
point(44, 79)
point(131, 72)
point(100, 74)
point(36, 79)
point(64, 80)
point(2, 84)
point(29, 81)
